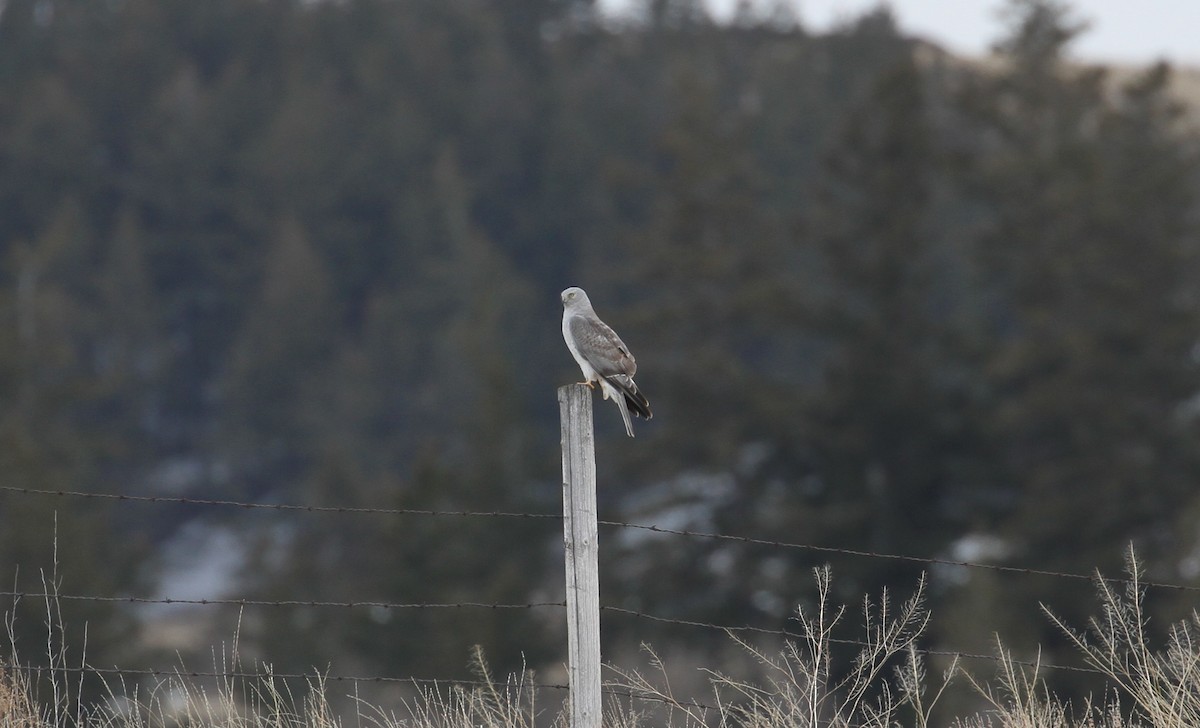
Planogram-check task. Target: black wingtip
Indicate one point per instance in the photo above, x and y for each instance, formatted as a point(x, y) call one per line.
point(638, 405)
point(634, 399)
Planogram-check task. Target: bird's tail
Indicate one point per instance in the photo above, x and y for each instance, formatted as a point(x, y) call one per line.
point(635, 401)
point(620, 402)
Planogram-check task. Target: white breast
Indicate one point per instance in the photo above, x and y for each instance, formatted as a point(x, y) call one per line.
point(589, 374)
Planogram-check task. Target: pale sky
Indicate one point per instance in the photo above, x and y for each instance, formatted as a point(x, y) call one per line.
point(1126, 31)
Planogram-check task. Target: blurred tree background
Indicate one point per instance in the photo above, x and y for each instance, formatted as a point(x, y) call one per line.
point(309, 252)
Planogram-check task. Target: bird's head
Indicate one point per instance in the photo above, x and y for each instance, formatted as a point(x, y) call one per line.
point(574, 297)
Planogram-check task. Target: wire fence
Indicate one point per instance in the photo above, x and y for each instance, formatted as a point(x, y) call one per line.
point(724, 628)
point(613, 610)
point(862, 553)
point(325, 678)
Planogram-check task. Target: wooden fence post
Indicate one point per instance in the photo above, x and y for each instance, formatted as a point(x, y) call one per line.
point(579, 536)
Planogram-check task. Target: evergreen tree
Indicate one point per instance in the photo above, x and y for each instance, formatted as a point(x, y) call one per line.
point(280, 359)
point(52, 391)
point(424, 414)
point(891, 431)
point(737, 343)
point(1088, 239)
point(1084, 195)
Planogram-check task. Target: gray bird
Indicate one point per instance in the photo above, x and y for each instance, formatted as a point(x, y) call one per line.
point(602, 356)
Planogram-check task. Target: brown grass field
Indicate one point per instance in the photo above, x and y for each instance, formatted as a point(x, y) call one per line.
point(885, 685)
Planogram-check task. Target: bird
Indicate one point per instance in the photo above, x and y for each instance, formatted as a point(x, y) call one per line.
point(602, 356)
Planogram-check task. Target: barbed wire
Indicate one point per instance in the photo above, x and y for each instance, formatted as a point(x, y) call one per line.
point(244, 602)
point(531, 605)
point(239, 602)
point(264, 674)
point(183, 500)
point(272, 675)
point(181, 673)
point(842, 641)
point(861, 553)
point(608, 689)
point(729, 629)
point(927, 560)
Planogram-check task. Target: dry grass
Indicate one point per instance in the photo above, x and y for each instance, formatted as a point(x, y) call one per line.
point(491, 704)
point(264, 702)
point(1020, 699)
point(1160, 686)
point(885, 684)
point(1163, 685)
point(242, 697)
point(17, 707)
point(886, 681)
point(1147, 687)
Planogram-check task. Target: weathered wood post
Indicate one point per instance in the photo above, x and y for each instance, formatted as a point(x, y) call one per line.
point(582, 550)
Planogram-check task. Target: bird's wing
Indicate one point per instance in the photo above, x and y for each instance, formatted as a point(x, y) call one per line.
point(627, 390)
point(601, 346)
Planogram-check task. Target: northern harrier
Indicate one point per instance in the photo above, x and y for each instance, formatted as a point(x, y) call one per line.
point(602, 356)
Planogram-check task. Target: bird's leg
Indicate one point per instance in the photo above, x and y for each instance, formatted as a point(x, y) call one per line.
point(588, 382)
